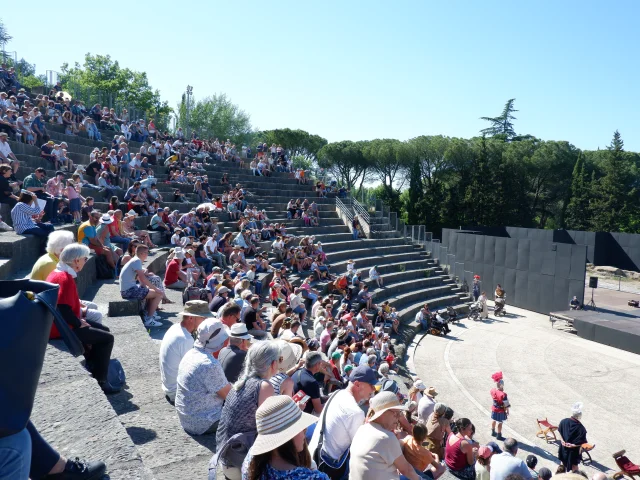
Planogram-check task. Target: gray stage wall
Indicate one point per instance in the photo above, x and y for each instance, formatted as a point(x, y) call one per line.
point(620, 250)
point(536, 273)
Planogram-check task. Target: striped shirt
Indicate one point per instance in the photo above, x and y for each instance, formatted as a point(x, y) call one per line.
point(21, 216)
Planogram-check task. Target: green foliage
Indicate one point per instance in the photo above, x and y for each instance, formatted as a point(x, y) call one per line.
point(101, 80)
point(502, 125)
point(218, 117)
point(298, 142)
point(4, 36)
point(614, 203)
point(345, 161)
point(578, 215)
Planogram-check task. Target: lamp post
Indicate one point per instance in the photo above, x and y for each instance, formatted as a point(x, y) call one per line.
point(189, 94)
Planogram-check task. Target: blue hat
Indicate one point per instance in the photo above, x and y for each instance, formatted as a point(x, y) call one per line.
point(494, 447)
point(365, 374)
point(389, 385)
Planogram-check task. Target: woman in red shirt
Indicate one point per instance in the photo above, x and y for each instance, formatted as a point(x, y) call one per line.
point(72, 260)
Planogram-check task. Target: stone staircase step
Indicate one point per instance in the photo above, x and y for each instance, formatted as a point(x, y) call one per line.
point(75, 417)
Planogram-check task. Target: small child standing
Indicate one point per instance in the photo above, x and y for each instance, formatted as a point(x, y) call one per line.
point(75, 200)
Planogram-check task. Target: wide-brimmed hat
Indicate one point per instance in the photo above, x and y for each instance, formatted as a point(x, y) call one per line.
point(290, 354)
point(239, 330)
point(278, 420)
point(4, 134)
point(196, 308)
point(178, 253)
point(106, 219)
point(211, 335)
point(431, 392)
point(382, 402)
point(419, 384)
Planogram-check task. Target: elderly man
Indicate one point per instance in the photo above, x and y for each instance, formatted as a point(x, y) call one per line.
point(202, 386)
point(221, 298)
point(304, 380)
point(427, 404)
point(506, 463)
point(232, 356)
point(177, 342)
point(35, 183)
point(47, 263)
point(342, 417)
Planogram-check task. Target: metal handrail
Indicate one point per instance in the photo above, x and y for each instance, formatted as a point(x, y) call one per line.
point(361, 211)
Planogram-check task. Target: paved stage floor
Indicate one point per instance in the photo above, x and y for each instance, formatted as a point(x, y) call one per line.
point(545, 371)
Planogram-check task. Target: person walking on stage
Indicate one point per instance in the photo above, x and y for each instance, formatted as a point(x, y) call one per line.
point(500, 407)
point(573, 436)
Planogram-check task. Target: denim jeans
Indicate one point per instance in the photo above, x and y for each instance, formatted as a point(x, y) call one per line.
point(355, 233)
point(206, 263)
point(122, 241)
point(15, 456)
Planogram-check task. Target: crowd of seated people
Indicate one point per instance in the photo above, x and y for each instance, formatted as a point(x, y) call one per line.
point(227, 363)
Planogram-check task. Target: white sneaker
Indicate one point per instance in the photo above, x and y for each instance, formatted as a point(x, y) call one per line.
point(4, 227)
point(150, 322)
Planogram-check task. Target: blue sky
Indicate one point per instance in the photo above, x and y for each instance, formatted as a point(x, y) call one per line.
point(366, 69)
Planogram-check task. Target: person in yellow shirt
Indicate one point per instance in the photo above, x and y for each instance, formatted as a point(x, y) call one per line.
point(46, 264)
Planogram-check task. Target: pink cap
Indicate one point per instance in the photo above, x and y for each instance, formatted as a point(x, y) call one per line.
point(485, 452)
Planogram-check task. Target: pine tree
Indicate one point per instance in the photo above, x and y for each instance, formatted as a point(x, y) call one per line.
point(478, 192)
point(502, 125)
point(613, 192)
point(577, 216)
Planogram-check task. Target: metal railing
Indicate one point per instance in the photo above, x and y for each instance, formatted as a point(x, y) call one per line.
point(350, 208)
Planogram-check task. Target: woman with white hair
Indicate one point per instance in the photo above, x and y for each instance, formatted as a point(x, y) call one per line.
point(247, 394)
point(72, 260)
point(574, 435)
point(47, 263)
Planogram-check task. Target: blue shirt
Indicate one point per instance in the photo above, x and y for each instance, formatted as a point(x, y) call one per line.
point(89, 232)
point(504, 464)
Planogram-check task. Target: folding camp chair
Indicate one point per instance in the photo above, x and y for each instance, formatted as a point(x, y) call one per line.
point(546, 430)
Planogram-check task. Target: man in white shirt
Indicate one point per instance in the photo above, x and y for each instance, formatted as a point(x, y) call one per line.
point(211, 251)
point(343, 416)
point(297, 304)
point(177, 341)
point(427, 404)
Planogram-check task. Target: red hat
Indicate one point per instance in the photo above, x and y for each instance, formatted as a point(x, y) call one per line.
point(497, 377)
point(477, 277)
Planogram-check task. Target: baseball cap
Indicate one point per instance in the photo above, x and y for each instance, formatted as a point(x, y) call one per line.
point(485, 452)
point(364, 373)
point(389, 385)
point(494, 447)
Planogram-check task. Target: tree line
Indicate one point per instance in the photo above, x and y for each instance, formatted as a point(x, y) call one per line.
point(498, 178)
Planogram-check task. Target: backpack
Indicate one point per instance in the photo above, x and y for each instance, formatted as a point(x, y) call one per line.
point(193, 292)
point(115, 374)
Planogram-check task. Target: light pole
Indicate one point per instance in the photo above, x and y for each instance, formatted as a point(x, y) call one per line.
point(189, 94)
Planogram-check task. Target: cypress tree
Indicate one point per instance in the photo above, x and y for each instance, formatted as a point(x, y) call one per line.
point(577, 216)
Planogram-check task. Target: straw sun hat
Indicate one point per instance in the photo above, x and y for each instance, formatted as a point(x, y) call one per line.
point(382, 402)
point(278, 420)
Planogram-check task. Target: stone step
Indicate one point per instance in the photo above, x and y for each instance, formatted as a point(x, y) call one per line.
point(363, 263)
point(365, 252)
point(75, 417)
point(153, 424)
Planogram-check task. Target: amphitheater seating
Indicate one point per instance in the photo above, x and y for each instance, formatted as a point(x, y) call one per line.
point(136, 432)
